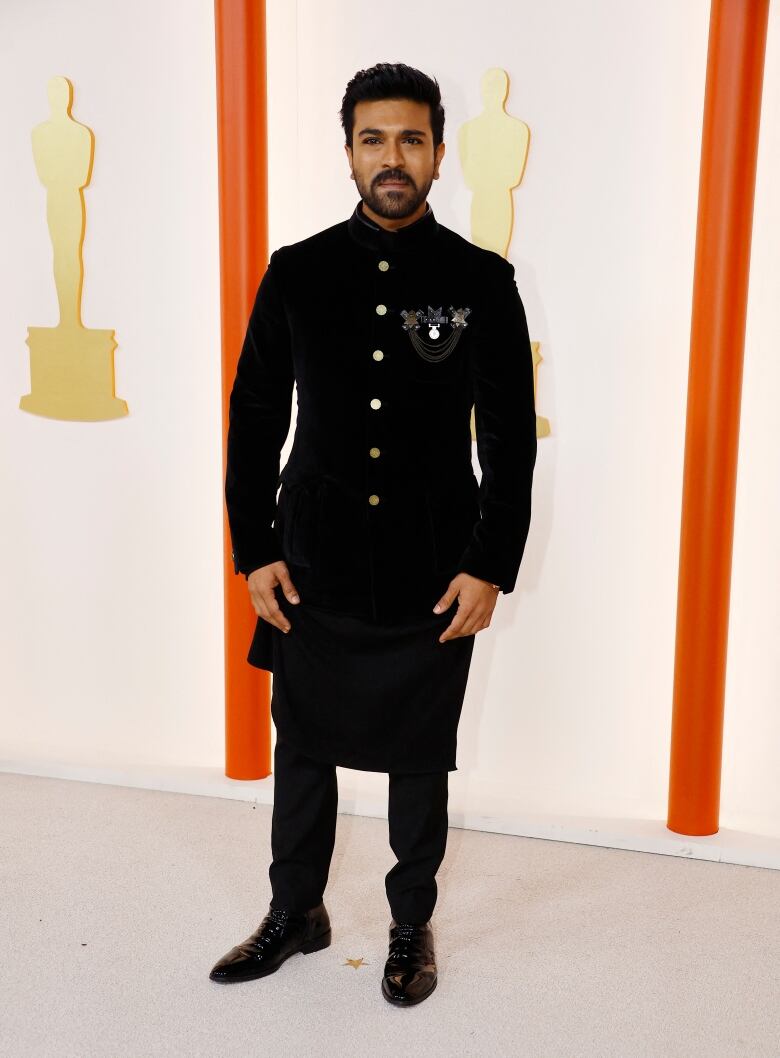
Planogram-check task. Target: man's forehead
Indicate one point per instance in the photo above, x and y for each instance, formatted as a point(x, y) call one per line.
point(390, 107)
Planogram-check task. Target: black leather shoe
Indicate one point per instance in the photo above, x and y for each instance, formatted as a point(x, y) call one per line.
point(410, 970)
point(280, 935)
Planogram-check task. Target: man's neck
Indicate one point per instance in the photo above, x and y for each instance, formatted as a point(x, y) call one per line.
point(393, 224)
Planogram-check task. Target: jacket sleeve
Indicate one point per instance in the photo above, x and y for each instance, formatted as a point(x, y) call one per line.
point(258, 424)
point(505, 418)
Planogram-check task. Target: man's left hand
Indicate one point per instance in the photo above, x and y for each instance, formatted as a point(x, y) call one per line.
point(476, 602)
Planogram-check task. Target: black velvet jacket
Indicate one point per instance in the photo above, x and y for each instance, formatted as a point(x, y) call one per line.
point(379, 506)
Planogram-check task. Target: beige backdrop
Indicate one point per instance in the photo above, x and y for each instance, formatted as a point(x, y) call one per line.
point(111, 536)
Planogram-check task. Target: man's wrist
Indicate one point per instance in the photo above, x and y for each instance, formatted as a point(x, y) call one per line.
point(483, 579)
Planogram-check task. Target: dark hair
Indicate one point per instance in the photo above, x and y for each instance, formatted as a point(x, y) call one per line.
point(393, 80)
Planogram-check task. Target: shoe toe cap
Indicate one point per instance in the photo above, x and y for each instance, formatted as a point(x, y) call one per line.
point(408, 987)
point(234, 963)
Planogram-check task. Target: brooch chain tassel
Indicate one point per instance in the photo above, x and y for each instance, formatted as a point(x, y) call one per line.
point(414, 318)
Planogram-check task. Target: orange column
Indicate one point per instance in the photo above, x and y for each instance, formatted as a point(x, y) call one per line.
point(732, 106)
point(243, 255)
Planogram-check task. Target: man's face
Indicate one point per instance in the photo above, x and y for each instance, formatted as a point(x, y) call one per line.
point(392, 157)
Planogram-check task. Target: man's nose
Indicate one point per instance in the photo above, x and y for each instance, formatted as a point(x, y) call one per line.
point(393, 157)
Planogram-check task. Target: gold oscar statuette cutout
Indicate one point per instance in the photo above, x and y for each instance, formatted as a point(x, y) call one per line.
point(493, 150)
point(71, 366)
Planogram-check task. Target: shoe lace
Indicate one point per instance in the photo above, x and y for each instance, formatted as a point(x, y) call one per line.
point(404, 934)
point(272, 925)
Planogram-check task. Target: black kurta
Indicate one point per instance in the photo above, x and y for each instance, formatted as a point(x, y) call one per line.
point(373, 695)
point(379, 506)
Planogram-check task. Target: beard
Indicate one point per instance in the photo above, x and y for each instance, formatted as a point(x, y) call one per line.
point(395, 204)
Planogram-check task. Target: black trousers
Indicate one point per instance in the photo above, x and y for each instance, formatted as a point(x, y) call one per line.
point(303, 834)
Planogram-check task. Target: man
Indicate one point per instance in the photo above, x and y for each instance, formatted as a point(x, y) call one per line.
point(392, 327)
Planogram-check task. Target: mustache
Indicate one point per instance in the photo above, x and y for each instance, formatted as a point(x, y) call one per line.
point(398, 178)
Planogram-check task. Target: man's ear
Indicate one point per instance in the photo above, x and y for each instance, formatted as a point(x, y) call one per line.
point(437, 157)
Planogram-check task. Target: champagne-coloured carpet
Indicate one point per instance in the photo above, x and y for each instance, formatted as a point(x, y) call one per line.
point(117, 901)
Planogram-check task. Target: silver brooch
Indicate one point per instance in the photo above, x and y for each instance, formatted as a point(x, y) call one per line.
point(434, 321)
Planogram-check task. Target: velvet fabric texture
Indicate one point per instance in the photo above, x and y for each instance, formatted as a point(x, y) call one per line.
point(372, 695)
point(379, 506)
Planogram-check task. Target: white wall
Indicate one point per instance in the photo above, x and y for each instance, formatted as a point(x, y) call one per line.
point(112, 544)
point(112, 615)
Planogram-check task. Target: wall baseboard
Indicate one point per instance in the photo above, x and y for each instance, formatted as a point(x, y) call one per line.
point(630, 834)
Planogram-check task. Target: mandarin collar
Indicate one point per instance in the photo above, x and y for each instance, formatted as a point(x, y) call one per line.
point(415, 236)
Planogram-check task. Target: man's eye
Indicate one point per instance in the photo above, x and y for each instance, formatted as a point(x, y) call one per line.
point(373, 139)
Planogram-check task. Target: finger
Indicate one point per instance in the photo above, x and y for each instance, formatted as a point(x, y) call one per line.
point(287, 586)
point(479, 619)
point(468, 627)
point(454, 627)
point(271, 611)
point(446, 634)
point(473, 621)
point(446, 600)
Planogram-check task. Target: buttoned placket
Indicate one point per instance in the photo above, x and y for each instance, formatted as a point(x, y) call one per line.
point(376, 433)
point(385, 255)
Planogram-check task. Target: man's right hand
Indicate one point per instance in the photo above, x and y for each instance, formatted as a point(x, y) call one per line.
point(261, 584)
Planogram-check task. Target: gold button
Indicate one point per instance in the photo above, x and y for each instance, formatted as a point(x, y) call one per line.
point(376, 403)
point(378, 354)
point(373, 499)
point(381, 309)
point(383, 266)
point(373, 452)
